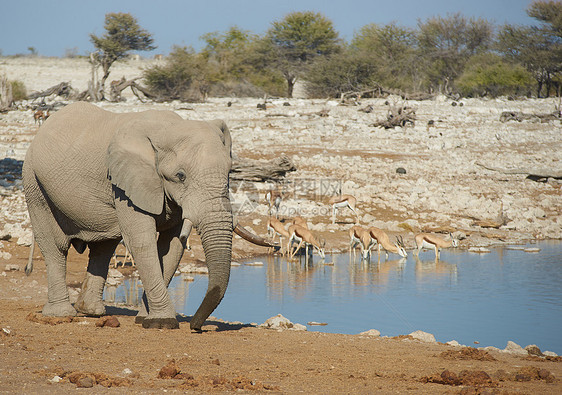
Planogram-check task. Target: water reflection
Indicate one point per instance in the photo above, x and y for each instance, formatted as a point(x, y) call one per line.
point(435, 269)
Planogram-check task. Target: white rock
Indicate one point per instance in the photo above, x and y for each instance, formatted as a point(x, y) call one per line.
point(298, 327)
point(423, 336)
point(514, 348)
point(277, 322)
point(549, 354)
point(454, 343)
point(56, 379)
point(11, 267)
point(371, 332)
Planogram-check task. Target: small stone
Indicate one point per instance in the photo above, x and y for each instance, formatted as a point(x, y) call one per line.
point(56, 379)
point(169, 371)
point(533, 349)
point(423, 336)
point(277, 322)
point(85, 382)
point(401, 170)
point(12, 267)
point(126, 372)
point(299, 327)
point(371, 332)
point(109, 321)
point(216, 362)
point(514, 348)
point(544, 374)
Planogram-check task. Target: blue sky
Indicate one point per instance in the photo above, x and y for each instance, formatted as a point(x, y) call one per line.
point(56, 26)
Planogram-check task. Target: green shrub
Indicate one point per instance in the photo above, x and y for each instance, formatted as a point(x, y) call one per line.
point(19, 92)
point(490, 75)
point(183, 76)
point(330, 77)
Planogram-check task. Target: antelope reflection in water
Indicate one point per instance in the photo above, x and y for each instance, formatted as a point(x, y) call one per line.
point(296, 275)
point(375, 272)
point(433, 269)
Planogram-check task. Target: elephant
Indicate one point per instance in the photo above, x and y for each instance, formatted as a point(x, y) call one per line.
point(93, 177)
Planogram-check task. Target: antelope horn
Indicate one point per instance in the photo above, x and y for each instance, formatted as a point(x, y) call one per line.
point(252, 238)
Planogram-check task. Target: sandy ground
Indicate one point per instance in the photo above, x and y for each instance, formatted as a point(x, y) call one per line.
point(445, 188)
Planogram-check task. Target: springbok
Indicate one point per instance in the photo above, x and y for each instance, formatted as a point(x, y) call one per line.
point(430, 241)
point(276, 228)
point(383, 241)
point(304, 236)
point(40, 116)
point(342, 201)
point(362, 237)
point(273, 198)
point(298, 220)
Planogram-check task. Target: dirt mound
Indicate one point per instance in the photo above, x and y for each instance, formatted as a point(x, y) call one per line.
point(468, 353)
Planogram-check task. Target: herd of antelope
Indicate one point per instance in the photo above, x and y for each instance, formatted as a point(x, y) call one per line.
point(295, 230)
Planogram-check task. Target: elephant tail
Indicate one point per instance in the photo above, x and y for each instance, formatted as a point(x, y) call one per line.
point(29, 266)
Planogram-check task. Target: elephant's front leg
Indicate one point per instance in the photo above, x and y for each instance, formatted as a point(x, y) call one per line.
point(170, 251)
point(139, 234)
point(90, 300)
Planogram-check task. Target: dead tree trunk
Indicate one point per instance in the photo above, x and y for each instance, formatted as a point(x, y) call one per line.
point(6, 98)
point(253, 170)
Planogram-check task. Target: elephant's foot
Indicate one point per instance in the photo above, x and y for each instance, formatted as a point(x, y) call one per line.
point(139, 319)
point(61, 309)
point(160, 323)
point(92, 308)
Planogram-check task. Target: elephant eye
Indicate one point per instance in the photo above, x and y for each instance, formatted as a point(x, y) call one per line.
point(180, 175)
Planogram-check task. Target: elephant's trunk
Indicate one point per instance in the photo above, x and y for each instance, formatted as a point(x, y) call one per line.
point(216, 238)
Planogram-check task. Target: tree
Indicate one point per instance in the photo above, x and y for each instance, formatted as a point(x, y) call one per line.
point(391, 49)
point(294, 42)
point(445, 44)
point(538, 48)
point(123, 34)
point(489, 74)
point(228, 51)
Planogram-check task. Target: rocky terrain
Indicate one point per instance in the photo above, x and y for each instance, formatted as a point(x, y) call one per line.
point(458, 169)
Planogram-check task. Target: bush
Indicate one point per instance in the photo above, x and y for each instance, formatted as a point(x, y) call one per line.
point(19, 92)
point(330, 77)
point(489, 75)
point(182, 77)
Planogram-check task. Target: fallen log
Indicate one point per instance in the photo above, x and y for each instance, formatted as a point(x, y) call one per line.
point(533, 173)
point(398, 116)
point(253, 170)
point(63, 89)
point(519, 116)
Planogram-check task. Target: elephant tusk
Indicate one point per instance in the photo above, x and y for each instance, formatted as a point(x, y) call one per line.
point(242, 232)
point(185, 231)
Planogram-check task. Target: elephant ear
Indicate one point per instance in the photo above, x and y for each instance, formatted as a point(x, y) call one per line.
point(131, 160)
point(224, 134)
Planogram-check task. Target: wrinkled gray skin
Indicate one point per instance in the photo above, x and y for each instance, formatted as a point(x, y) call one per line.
point(92, 177)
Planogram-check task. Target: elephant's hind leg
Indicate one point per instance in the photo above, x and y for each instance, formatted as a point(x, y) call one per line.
point(90, 300)
point(54, 246)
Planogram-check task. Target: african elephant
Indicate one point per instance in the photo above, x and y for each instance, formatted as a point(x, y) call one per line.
point(92, 177)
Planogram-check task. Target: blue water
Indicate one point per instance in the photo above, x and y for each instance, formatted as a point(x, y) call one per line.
point(486, 298)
